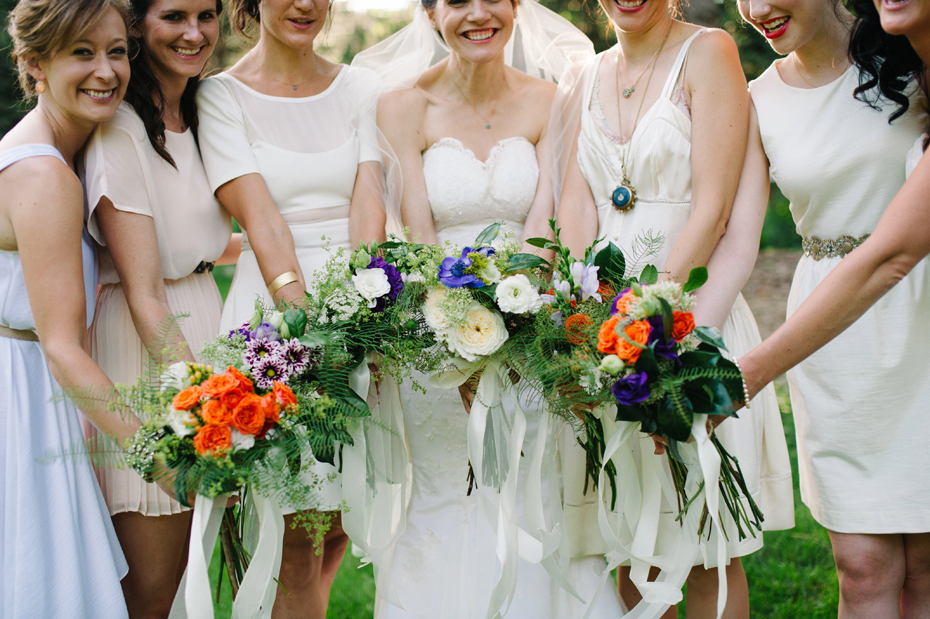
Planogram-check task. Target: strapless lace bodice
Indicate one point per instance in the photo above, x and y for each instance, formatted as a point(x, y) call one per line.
point(466, 194)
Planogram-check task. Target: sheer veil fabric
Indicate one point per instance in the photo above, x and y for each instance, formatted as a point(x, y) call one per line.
point(543, 45)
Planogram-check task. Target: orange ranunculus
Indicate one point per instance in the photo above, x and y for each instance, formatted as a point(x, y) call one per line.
point(244, 383)
point(623, 303)
point(218, 384)
point(216, 413)
point(187, 399)
point(682, 325)
point(284, 395)
point(576, 326)
point(605, 290)
point(271, 407)
point(638, 332)
point(231, 399)
point(249, 416)
point(212, 439)
point(607, 337)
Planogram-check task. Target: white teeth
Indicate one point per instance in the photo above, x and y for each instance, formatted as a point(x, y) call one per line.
point(772, 26)
point(99, 94)
point(479, 36)
point(187, 52)
point(630, 5)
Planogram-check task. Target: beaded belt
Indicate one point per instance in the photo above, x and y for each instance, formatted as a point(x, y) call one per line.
point(818, 248)
point(205, 267)
point(17, 334)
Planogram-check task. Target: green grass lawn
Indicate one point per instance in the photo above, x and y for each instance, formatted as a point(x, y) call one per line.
point(792, 577)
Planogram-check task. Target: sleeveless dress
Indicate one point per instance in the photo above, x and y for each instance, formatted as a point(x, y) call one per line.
point(444, 565)
point(191, 228)
point(307, 151)
point(659, 162)
point(860, 402)
point(58, 548)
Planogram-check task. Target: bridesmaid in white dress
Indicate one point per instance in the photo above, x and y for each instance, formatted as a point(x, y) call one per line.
point(470, 138)
point(860, 400)
point(289, 144)
point(59, 553)
point(160, 230)
point(676, 134)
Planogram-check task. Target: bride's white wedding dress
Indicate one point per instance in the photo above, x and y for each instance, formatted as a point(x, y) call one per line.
point(444, 565)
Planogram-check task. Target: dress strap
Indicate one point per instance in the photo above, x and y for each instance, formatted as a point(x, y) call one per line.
point(18, 153)
point(675, 74)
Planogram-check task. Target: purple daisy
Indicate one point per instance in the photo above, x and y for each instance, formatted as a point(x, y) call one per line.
point(258, 349)
point(297, 357)
point(269, 369)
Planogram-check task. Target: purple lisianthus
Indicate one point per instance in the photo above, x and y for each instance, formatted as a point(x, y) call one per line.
point(258, 349)
point(664, 346)
point(632, 389)
point(584, 278)
point(613, 304)
point(243, 331)
point(266, 331)
point(394, 279)
point(297, 357)
point(269, 369)
point(452, 272)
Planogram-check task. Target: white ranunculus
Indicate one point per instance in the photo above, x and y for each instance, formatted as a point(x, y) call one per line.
point(518, 296)
point(242, 442)
point(181, 422)
point(490, 274)
point(372, 284)
point(436, 320)
point(176, 377)
point(482, 334)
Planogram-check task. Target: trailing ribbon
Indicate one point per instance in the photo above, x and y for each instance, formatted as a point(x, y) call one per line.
point(193, 598)
point(258, 589)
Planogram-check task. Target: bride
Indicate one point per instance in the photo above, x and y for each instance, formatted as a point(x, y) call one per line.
point(470, 136)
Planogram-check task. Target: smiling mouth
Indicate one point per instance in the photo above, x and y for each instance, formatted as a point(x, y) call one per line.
point(99, 95)
point(480, 35)
point(302, 23)
point(634, 4)
point(187, 52)
point(772, 26)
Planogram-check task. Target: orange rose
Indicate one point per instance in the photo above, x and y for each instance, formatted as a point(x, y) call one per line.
point(249, 416)
point(212, 439)
point(244, 383)
point(576, 327)
point(271, 408)
point(218, 384)
point(682, 325)
point(187, 399)
point(623, 303)
point(231, 399)
point(638, 332)
point(284, 395)
point(607, 336)
point(215, 412)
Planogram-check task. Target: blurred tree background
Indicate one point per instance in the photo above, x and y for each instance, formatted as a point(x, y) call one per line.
point(350, 32)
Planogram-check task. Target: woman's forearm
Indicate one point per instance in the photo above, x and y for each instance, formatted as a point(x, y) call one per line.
point(159, 328)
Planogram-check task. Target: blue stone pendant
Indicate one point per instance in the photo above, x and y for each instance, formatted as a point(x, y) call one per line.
point(624, 196)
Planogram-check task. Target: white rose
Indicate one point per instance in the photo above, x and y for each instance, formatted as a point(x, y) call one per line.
point(482, 334)
point(372, 284)
point(181, 422)
point(518, 296)
point(242, 442)
point(177, 377)
point(433, 315)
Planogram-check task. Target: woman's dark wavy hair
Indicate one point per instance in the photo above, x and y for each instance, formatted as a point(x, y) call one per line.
point(887, 62)
point(144, 93)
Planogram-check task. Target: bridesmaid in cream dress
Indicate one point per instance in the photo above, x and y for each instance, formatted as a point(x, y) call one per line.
point(289, 144)
point(684, 118)
point(160, 230)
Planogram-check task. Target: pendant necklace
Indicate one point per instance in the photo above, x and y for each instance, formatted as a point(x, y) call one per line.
point(624, 196)
point(294, 86)
point(487, 123)
point(628, 92)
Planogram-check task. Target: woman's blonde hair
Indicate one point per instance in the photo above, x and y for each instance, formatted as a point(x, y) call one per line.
point(39, 28)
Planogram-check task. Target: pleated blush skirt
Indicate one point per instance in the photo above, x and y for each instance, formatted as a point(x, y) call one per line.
point(117, 349)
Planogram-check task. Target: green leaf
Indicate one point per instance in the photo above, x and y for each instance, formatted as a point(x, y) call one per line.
point(296, 321)
point(490, 291)
point(390, 245)
point(519, 262)
point(635, 414)
point(667, 321)
point(538, 241)
point(611, 263)
point(675, 416)
point(696, 279)
point(650, 275)
point(313, 339)
point(710, 335)
point(488, 234)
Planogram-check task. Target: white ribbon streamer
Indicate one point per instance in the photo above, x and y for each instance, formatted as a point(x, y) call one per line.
point(193, 598)
point(258, 588)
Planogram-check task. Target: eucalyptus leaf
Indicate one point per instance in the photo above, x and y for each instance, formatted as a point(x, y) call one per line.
point(650, 275)
point(488, 234)
point(710, 335)
point(696, 279)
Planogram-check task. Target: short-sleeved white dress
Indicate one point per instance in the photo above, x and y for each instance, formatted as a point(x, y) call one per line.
point(192, 229)
point(307, 150)
point(862, 402)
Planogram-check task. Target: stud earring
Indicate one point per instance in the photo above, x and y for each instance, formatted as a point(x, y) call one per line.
point(40, 87)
